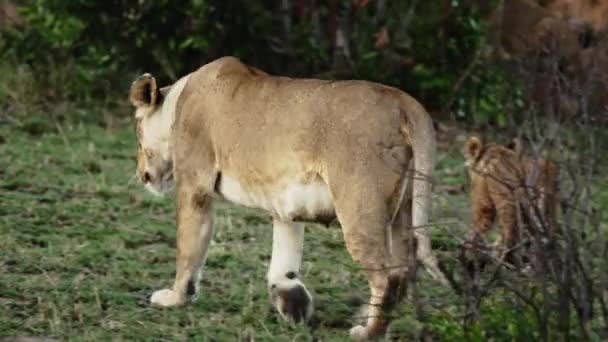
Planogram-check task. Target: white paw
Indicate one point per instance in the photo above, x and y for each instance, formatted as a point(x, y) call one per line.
point(358, 333)
point(166, 297)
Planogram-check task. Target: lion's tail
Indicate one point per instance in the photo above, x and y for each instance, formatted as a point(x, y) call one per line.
point(418, 128)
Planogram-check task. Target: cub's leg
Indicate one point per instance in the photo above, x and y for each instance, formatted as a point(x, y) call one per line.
point(507, 218)
point(288, 293)
point(194, 231)
point(549, 199)
point(484, 214)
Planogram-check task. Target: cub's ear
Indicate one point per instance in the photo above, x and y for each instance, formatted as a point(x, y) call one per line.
point(472, 149)
point(515, 145)
point(144, 91)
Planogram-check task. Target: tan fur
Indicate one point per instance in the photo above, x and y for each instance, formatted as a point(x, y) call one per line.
point(300, 149)
point(503, 178)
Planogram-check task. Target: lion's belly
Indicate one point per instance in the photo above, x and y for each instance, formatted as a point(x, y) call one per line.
point(310, 201)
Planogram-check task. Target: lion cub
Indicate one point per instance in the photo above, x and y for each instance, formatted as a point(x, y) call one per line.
point(511, 188)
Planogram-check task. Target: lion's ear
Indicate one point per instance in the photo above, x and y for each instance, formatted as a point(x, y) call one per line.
point(515, 145)
point(472, 148)
point(144, 91)
point(165, 90)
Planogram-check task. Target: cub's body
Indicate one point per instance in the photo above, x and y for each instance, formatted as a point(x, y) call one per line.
point(511, 189)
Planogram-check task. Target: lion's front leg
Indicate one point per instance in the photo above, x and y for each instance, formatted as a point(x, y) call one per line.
point(288, 293)
point(194, 231)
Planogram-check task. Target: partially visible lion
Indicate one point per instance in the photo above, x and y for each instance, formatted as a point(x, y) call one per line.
point(301, 150)
point(511, 188)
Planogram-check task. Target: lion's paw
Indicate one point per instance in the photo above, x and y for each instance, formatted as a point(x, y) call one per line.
point(166, 297)
point(359, 333)
point(292, 300)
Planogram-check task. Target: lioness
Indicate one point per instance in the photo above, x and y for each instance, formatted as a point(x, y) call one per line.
point(300, 149)
point(503, 182)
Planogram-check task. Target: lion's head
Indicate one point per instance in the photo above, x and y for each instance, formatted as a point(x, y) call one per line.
point(154, 113)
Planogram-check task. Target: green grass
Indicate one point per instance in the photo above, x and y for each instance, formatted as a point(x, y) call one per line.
point(82, 244)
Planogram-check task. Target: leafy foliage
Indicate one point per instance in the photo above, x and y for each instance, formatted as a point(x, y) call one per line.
point(424, 48)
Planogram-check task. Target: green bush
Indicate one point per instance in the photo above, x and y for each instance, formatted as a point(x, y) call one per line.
point(100, 45)
point(100, 41)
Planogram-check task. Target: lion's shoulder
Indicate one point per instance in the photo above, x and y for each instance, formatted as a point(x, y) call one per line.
point(227, 66)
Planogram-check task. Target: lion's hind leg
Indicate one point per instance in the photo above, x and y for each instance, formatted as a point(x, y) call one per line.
point(404, 246)
point(363, 223)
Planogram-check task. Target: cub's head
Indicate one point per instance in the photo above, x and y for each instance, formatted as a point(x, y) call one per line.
point(153, 128)
point(502, 162)
point(477, 155)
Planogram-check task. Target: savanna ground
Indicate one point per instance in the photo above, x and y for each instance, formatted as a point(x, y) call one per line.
point(82, 245)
